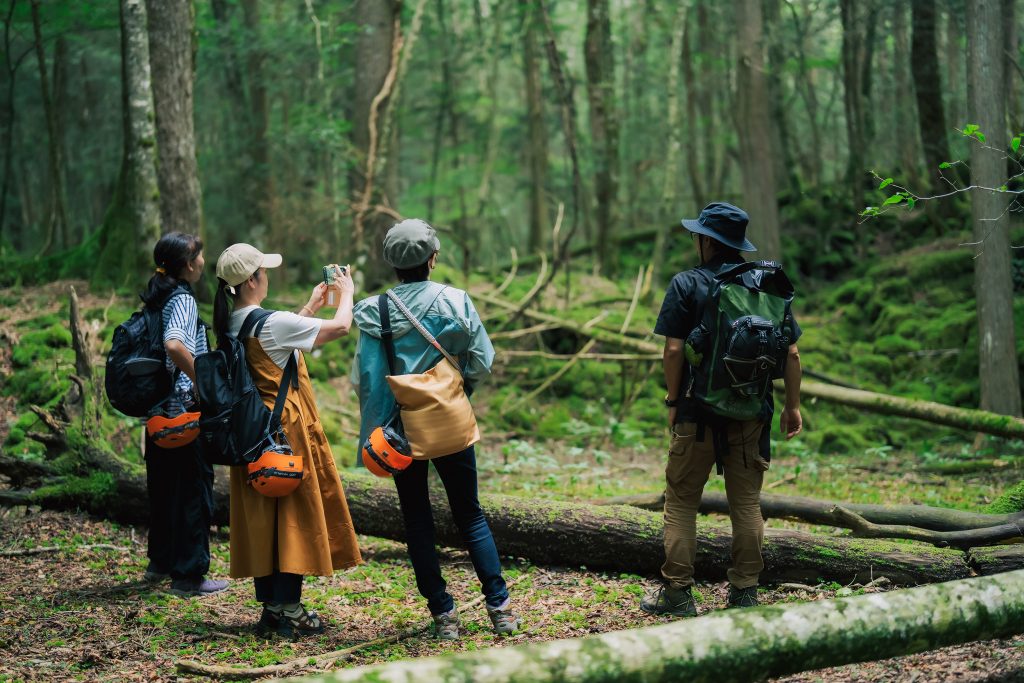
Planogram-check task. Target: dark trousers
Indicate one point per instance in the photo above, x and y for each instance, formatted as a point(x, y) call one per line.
point(458, 474)
point(180, 486)
point(279, 588)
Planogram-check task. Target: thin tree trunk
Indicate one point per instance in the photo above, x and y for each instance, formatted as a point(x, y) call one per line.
point(259, 188)
point(785, 146)
point(11, 65)
point(132, 223)
point(57, 220)
point(604, 127)
point(1014, 112)
point(172, 49)
point(537, 149)
point(993, 281)
point(61, 109)
point(754, 128)
point(808, 94)
point(905, 109)
point(738, 646)
point(852, 14)
point(928, 86)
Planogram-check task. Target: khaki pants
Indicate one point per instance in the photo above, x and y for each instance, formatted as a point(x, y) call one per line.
point(689, 465)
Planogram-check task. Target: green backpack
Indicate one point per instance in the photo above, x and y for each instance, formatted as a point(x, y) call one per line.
point(743, 340)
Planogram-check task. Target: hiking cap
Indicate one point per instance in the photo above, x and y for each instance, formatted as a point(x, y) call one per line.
point(722, 222)
point(410, 243)
point(237, 263)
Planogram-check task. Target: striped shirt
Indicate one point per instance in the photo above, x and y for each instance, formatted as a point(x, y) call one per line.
point(181, 323)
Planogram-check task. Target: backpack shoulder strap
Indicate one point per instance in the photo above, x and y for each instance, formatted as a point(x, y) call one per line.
point(746, 267)
point(288, 377)
point(257, 319)
point(386, 333)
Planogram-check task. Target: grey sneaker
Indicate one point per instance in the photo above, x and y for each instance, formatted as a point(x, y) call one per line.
point(677, 602)
point(503, 619)
point(446, 624)
point(187, 588)
point(743, 597)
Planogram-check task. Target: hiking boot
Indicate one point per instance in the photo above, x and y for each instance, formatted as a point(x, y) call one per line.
point(154, 575)
point(503, 619)
point(446, 624)
point(268, 623)
point(677, 602)
point(187, 588)
point(743, 597)
point(299, 623)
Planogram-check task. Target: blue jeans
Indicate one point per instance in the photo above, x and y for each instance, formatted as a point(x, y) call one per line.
point(458, 474)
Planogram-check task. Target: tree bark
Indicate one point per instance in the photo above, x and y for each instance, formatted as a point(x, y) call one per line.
point(172, 50)
point(742, 645)
point(58, 215)
point(905, 109)
point(537, 149)
point(604, 128)
point(928, 87)
point(993, 279)
point(11, 65)
point(855, 17)
point(1003, 558)
point(259, 188)
point(132, 223)
point(754, 129)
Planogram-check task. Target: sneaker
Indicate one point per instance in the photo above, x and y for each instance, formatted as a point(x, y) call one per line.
point(743, 597)
point(503, 619)
point(268, 623)
point(446, 624)
point(299, 624)
point(187, 588)
point(154, 575)
point(677, 602)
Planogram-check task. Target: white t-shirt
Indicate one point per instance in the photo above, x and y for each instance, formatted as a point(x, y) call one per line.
point(282, 334)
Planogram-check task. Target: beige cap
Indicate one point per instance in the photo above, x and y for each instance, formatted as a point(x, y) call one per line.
point(237, 263)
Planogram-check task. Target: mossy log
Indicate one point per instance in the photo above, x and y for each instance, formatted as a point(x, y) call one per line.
point(814, 511)
point(996, 559)
point(741, 645)
point(626, 539)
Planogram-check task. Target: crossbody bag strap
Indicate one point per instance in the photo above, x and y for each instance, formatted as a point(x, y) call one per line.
point(288, 377)
point(386, 333)
point(422, 330)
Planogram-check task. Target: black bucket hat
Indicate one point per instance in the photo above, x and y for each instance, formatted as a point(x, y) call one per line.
point(723, 222)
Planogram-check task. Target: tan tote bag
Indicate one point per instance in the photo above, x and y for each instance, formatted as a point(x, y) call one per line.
point(436, 413)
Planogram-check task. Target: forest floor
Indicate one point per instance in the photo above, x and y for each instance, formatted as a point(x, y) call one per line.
point(82, 612)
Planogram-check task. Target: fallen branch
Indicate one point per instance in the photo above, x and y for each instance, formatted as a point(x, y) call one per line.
point(943, 539)
point(53, 549)
point(743, 645)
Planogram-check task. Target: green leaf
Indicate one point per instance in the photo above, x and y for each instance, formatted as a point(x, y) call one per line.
point(944, 164)
point(980, 136)
point(1015, 143)
point(910, 203)
point(885, 183)
point(895, 199)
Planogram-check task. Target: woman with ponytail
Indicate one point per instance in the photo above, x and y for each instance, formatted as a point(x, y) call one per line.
point(308, 532)
point(179, 481)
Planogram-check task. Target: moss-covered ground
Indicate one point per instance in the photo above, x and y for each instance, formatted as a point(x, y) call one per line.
point(904, 325)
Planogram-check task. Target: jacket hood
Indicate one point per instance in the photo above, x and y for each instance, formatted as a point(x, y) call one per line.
point(419, 297)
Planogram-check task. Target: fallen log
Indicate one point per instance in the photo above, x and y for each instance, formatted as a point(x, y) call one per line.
point(997, 559)
point(943, 539)
point(626, 539)
point(813, 511)
point(742, 645)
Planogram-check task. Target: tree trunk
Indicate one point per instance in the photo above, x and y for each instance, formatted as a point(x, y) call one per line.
point(172, 49)
point(537, 149)
point(7, 146)
point(993, 280)
point(132, 223)
point(604, 128)
point(855, 17)
point(259, 190)
point(754, 128)
point(784, 146)
point(742, 645)
point(907, 131)
point(375, 37)
point(1014, 113)
point(58, 219)
point(928, 86)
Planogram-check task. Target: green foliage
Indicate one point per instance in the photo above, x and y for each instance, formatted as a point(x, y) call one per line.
point(1011, 501)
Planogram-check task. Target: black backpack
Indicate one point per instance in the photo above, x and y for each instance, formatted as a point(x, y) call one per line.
point(136, 372)
point(235, 427)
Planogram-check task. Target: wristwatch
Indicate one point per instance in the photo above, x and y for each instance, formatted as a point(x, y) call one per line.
point(671, 402)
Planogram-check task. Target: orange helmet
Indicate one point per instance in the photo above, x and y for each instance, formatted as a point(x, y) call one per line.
point(277, 472)
point(173, 432)
point(386, 452)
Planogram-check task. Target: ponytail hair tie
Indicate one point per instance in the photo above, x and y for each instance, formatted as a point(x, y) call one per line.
point(231, 289)
point(161, 270)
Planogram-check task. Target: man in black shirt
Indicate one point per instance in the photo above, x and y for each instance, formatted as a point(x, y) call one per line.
point(719, 236)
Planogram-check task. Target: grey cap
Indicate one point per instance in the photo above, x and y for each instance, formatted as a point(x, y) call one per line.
point(410, 243)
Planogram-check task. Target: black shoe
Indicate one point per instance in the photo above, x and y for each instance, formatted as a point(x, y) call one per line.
point(677, 602)
point(305, 624)
point(268, 624)
point(743, 597)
